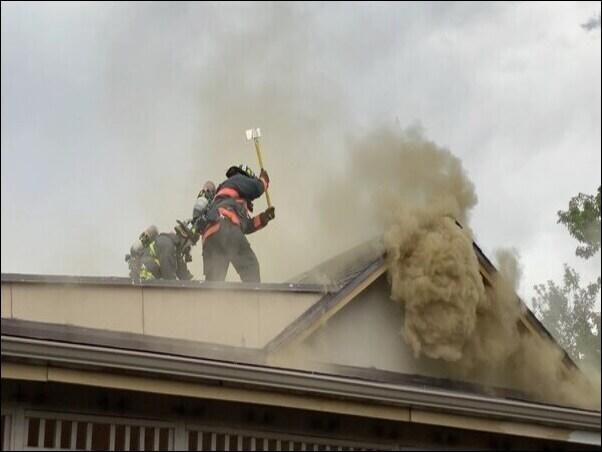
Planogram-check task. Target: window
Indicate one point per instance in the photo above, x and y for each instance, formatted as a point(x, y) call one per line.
point(70, 432)
point(200, 438)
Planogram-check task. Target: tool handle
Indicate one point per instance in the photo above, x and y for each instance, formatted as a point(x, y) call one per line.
point(267, 195)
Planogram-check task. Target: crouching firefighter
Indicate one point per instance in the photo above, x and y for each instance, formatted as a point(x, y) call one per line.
point(134, 259)
point(229, 219)
point(164, 255)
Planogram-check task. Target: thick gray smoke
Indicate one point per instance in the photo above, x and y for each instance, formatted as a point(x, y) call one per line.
point(255, 70)
point(155, 99)
point(400, 184)
point(435, 274)
point(415, 192)
point(169, 90)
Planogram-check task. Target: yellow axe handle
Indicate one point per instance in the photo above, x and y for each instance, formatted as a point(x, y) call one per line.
point(267, 195)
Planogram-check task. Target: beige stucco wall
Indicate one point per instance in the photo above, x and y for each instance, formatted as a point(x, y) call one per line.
point(276, 312)
point(107, 308)
point(6, 301)
point(228, 317)
point(27, 372)
point(367, 333)
point(244, 319)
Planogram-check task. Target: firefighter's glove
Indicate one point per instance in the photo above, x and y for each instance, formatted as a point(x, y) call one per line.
point(263, 174)
point(268, 215)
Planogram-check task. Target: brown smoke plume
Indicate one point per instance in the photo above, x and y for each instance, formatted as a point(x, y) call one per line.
point(449, 313)
point(435, 274)
point(502, 351)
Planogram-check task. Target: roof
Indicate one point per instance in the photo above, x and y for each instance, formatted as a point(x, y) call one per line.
point(366, 262)
point(26, 342)
point(122, 281)
point(333, 283)
point(344, 267)
point(346, 276)
point(285, 314)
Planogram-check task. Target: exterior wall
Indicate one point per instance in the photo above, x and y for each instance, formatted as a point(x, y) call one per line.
point(107, 308)
point(48, 406)
point(76, 417)
point(226, 317)
point(367, 333)
point(7, 306)
point(66, 431)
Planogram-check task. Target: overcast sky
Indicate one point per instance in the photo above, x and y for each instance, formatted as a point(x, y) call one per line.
point(113, 115)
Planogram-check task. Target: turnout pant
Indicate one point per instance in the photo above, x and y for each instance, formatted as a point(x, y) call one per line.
point(229, 245)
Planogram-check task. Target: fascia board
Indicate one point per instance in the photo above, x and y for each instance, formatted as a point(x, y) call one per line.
point(260, 377)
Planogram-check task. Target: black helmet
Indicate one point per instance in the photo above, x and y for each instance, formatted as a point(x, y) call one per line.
point(242, 169)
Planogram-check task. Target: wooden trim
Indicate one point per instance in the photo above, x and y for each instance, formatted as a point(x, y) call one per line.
point(129, 341)
point(489, 425)
point(196, 390)
point(239, 395)
point(16, 371)
point(18, 278)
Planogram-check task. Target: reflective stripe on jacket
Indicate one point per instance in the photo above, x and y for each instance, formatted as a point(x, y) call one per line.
point(233, 201)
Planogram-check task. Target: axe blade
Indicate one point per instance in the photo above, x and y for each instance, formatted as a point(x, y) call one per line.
point(253, 133)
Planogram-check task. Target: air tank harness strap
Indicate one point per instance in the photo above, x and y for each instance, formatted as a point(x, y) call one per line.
point(153, 252)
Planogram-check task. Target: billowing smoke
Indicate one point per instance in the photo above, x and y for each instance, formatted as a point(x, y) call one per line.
point(398, 184)
point(503, 352)
point(416, 191)
point(146, 103)
point(169, 91)
point(243, 67)
point(388, 169)
point(435, 274)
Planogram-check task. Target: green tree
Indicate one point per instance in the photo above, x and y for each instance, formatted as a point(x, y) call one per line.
point(583, 222)
point(568, 312)
point(568, 309)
